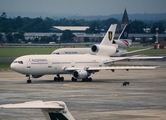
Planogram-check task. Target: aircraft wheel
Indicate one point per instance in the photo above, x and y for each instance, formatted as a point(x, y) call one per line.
point(73, 79)
point(55, 78)
point(90, 79)
point(84, 80)
point(29, 81)
point(62, 78)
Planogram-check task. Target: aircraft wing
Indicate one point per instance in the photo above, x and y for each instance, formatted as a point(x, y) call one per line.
point(136, 57)
point(34, 105)
point(114, 68)
point(138, 50)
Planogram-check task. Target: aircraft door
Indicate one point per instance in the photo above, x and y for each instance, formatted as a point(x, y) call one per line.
point(50, 68)
point(27, 67)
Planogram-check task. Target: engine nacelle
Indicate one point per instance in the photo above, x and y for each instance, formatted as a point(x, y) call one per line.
point(104, 49)
point(80, 74)
point(36, 76)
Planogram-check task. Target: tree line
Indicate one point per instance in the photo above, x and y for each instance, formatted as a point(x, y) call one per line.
point(39, 24)
point(20, 25)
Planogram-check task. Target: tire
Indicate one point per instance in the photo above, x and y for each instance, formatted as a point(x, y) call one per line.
point(90, 79)
point(62, 78)
point(55, 78)
point(73, 79)
point(29, 81)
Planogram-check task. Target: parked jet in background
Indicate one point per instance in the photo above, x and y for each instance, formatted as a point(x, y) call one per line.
point(122, 42)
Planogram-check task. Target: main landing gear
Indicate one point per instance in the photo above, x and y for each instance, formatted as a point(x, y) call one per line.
point(83, 80)
point(58, 78)
point(29, 79)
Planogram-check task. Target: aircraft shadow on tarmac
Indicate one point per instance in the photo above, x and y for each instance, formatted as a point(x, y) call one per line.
point(79, 81)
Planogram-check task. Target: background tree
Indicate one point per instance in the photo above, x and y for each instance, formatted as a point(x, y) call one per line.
point(3, 16)
point(54, 38)
point(86, 39)
point(137, 26)
point(158, 25)
point(94, 28)
point(9, 37)
point(67, 36)
point(19, 37)
point(1, 38)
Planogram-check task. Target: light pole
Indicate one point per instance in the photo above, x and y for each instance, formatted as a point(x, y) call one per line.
point(157, 39)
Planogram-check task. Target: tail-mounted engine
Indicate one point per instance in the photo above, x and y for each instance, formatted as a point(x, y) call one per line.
point(104, 49)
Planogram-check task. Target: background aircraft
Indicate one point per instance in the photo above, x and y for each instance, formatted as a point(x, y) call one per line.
point(121, 43)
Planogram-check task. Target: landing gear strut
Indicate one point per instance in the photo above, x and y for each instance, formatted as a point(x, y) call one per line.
point(29, 79)
point(73, 79)
point(58, 78)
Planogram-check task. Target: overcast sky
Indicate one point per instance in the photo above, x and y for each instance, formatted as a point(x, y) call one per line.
point(80, 7)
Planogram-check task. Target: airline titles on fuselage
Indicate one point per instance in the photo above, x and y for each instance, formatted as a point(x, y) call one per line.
point(38, 61)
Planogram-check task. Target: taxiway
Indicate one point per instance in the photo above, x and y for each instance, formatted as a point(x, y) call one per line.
point(102, 99)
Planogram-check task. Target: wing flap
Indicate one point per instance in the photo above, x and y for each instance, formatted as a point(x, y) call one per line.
point(136, 57)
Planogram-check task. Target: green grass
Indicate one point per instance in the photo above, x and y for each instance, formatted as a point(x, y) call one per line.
point(4, 65)
point(146, 52)
point(19, 51)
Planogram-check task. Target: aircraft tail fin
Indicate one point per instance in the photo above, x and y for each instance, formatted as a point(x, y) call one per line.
point(125, 32)
point(52, 110)
point(109, 36)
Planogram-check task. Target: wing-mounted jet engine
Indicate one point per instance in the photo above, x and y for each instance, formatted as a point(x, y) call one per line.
point(81, 74)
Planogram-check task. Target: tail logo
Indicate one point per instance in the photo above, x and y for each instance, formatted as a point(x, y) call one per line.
point(110, 35)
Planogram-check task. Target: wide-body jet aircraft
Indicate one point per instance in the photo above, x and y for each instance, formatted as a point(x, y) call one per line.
point(122, 42)
point(80, 66)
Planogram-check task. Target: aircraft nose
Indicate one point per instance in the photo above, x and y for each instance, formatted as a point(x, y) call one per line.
point(15, 67)
point(12, 66)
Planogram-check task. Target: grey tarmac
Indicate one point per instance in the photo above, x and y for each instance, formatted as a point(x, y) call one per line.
point(102, 99)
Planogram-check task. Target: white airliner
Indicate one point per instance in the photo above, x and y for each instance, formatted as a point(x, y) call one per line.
point(52, 110)
point(121, 43)
point(80, 66)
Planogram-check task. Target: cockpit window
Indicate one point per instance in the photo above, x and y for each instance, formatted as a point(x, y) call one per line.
point(20, 62)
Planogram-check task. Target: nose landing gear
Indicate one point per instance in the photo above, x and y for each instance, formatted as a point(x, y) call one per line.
point(29, 79)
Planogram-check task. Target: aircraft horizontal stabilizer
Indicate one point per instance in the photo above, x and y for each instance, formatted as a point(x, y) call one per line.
point(33, 105)
point(52, 110)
